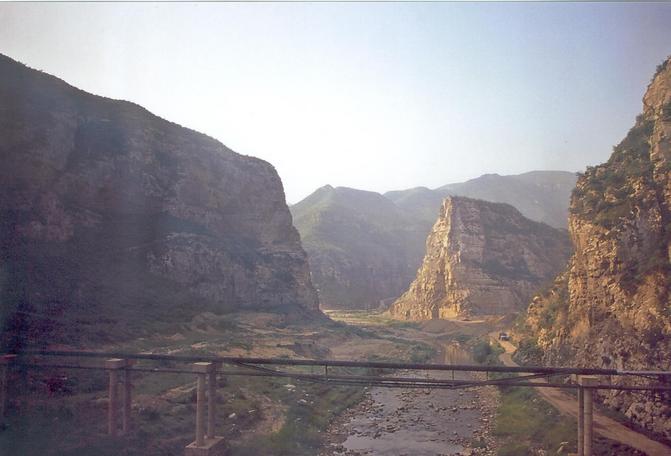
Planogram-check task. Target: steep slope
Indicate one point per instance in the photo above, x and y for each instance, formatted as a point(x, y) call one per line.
point(114, 221)
point(362, 249)
point(539, 195)
point(611, 307)
point(482, 259)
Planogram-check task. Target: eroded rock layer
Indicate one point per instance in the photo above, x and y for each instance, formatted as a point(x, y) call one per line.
point(114, 221)
point(482, 258)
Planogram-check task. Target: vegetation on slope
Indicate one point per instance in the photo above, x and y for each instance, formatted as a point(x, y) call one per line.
point(606, 193)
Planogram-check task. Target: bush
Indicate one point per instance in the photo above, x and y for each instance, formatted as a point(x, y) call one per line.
point(149, 414)
point(603, 192)
point(485, 353)
point(666, 111)
point(661, 67)
point(529, 352)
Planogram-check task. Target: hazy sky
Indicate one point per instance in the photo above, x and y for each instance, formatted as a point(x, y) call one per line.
point(377, 96)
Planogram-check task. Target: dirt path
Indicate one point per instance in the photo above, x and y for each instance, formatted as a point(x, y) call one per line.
point(603, 425)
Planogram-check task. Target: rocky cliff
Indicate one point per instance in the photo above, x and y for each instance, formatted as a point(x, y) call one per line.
point(611, 307)
point(114, 221)
point(482, 258)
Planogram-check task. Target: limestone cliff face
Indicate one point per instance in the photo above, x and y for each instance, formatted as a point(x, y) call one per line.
point(113, 220)
point(611, 307)
point(482, 259)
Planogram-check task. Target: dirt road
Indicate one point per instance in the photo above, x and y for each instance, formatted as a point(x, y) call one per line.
point(603, 425)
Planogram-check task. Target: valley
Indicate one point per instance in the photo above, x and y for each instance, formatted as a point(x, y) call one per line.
point(128, 240)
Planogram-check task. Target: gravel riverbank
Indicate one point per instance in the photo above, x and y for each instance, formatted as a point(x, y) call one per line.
point(418, 422)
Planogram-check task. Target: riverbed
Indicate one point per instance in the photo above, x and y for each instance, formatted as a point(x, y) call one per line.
point(421, 422)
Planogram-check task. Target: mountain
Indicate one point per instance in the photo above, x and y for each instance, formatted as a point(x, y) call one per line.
point(115, 222)
point(611, 307)
point(539, 195)
point(361, 247)
point(482, 258)
point(420, 203)
point(364, 247)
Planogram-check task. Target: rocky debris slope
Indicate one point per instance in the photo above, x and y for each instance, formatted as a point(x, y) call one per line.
point(482, 259)
point(611, 307)
point(113, 220)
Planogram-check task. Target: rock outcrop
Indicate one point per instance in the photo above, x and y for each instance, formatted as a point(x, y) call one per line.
point(482, 258)
point(611, 308)
point(114, 221)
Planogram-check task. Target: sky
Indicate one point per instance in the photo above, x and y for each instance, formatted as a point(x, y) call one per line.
point(375, 96)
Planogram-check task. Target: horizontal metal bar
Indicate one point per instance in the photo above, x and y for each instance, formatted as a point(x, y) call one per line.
point(352, 380)
point(337, 363)
point(158, 370)
point(630, 372)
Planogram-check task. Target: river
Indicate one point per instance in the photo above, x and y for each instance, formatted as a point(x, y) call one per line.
point(421, 422)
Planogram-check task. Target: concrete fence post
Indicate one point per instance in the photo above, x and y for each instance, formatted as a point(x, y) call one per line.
point(201, 369)
point(113, 365)
point(126, 424)
point(212, 401)
point(587, 383)
point(581, 421)
point(202, 446)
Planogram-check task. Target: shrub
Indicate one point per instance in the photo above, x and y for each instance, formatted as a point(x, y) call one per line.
point(603, 193)
point(485, 353)
point(661, 67)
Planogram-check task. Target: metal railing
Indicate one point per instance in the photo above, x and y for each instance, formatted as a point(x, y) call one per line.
point(121, 366)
